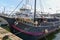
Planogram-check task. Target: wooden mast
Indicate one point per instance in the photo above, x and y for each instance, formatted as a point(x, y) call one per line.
point(34, 11)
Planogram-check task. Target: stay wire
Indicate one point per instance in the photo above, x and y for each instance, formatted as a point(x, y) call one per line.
point(16, 7)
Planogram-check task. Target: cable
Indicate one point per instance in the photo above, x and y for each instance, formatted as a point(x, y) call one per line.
point(16, 7)
point(41, 6)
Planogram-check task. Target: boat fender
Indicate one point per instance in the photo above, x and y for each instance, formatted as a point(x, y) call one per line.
point(36, 23)
point(46, 30)
point(15, 23)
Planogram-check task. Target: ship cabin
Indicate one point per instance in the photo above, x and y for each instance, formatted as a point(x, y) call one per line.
point(27, 17)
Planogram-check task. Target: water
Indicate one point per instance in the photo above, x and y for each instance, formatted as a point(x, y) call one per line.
point(53, 36)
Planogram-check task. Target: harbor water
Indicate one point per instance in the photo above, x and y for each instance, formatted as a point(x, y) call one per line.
point(53, 36)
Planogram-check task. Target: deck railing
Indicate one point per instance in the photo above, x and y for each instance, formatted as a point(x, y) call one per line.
point(56, 23)
point(31, 23)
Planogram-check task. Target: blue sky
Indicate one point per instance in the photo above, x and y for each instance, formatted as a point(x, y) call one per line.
point(41, 4)
point(9, 4)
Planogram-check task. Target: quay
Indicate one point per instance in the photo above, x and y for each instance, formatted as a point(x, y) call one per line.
point(4, 33)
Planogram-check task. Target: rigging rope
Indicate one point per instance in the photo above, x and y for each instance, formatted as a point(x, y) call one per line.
point(16, 7)
point(41, 6)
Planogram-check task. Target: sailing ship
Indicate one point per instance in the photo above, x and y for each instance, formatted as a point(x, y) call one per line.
point(32, 27)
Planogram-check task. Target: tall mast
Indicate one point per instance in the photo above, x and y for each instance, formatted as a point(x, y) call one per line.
point(34, 11)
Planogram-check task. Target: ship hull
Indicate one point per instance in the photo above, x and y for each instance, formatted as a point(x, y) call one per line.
point(26, 36)
point(30, 34)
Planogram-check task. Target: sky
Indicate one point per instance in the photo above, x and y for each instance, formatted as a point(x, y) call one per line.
point(9, 5)
point(45, 5)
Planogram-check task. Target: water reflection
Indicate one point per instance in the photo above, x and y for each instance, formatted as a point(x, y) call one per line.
point(52, 36)
point(57, 37)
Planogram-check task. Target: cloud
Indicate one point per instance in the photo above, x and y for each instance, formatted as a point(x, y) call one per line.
point(44, 4)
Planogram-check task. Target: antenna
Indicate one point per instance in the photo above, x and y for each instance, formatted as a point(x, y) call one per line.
point(41, 6)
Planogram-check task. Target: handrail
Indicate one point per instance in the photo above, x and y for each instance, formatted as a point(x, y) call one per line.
point(52, 23)
point(32, 24)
